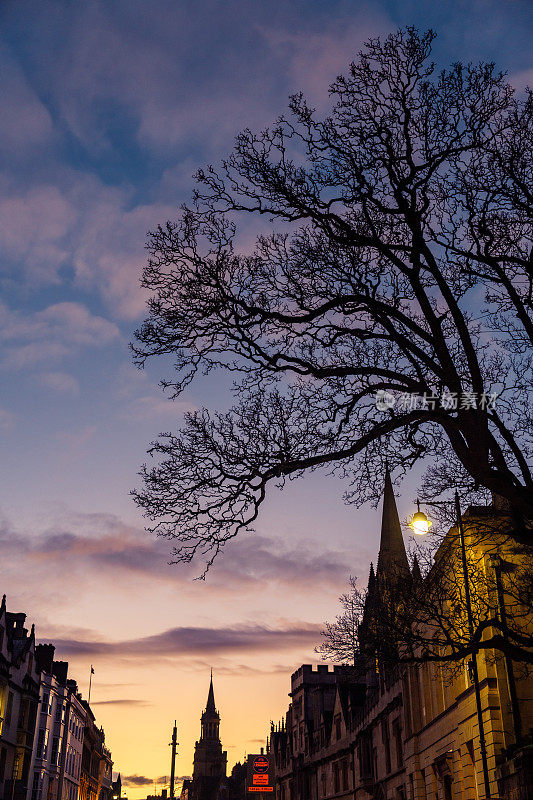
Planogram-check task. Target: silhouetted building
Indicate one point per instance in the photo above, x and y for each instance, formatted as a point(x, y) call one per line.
point(19, 698)
point(237, 782)
point(210, 761)
point(116, 788)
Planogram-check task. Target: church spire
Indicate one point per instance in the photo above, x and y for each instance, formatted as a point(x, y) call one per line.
point(417, 574)
point(392, 559)
point(210, 707)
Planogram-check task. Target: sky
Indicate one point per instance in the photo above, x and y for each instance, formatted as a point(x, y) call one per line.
point(108, 108)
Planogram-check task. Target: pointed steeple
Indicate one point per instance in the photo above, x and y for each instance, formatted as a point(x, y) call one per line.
point(392, 559)
point(371, 579)
point(416, 573)
point(210, 707)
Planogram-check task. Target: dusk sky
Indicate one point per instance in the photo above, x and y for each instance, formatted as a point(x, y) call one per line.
point(108, 108)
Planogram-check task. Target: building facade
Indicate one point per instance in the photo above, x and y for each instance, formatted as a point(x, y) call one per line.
point(49, 754)
point(50, 746)
point(73, 742)
point(96, 764)
point(404, 732)
point(19, 698)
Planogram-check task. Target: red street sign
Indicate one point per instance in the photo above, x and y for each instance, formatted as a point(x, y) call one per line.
point(261, 764)
point(260, 774)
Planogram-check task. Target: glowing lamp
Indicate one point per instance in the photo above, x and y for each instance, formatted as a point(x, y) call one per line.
point(420, 522)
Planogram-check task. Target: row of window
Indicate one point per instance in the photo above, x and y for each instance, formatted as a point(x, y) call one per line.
point(340, 777)
point(42, 747)
point(70, 791)
point(73, 762)
point(301, 739)
point(75, 726)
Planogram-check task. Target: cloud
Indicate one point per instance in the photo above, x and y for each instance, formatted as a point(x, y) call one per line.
point(136, 780)
point(142, 780)
point(34, 228)
point(99, 542)
point(81, 225)
point(153, 406)
point(188, 641)
point(313, 58)
point(25, 122)
point(60, 382)
point(51, 334)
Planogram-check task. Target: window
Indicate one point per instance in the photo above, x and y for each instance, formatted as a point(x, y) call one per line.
point(336, 786)
point(386, 743)
point(3, 755)
point(32, 716)
point(35, 787)
point(54, 758)
point(366, 767)
point(46, 705)
point(323, 781)
point(338, 726)
point(42, 743)
point(397, 734)
point(9, 710)
point(345, 774)
point(23, 713)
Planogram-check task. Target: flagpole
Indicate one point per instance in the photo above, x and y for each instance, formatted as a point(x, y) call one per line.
point(91, 673)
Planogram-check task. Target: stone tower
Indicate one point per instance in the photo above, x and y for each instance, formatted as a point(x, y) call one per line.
point(210, 760)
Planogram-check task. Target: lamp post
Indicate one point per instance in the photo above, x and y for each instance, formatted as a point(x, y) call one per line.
point(173, 745)
point(421, 524)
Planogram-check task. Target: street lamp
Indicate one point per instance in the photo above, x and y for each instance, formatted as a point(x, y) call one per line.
point(420, 525)
point(420, 522)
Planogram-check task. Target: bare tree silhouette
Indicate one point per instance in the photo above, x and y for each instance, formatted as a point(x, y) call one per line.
point(401, 264)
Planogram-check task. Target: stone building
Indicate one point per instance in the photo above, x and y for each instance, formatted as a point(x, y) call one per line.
point(400, 732)
point(74, 728)
point(53, 748)
point(210, 761)
point(19, 698)
point(50, 747)
point(96, 763)
point(313, 747)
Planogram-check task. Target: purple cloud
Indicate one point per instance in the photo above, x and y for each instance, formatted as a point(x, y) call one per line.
point(187, 641)
point(57, 331)
point(136, 780)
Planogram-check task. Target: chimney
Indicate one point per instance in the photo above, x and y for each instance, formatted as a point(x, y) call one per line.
point(15, 622)
point(44, 653)
point(60, 670)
